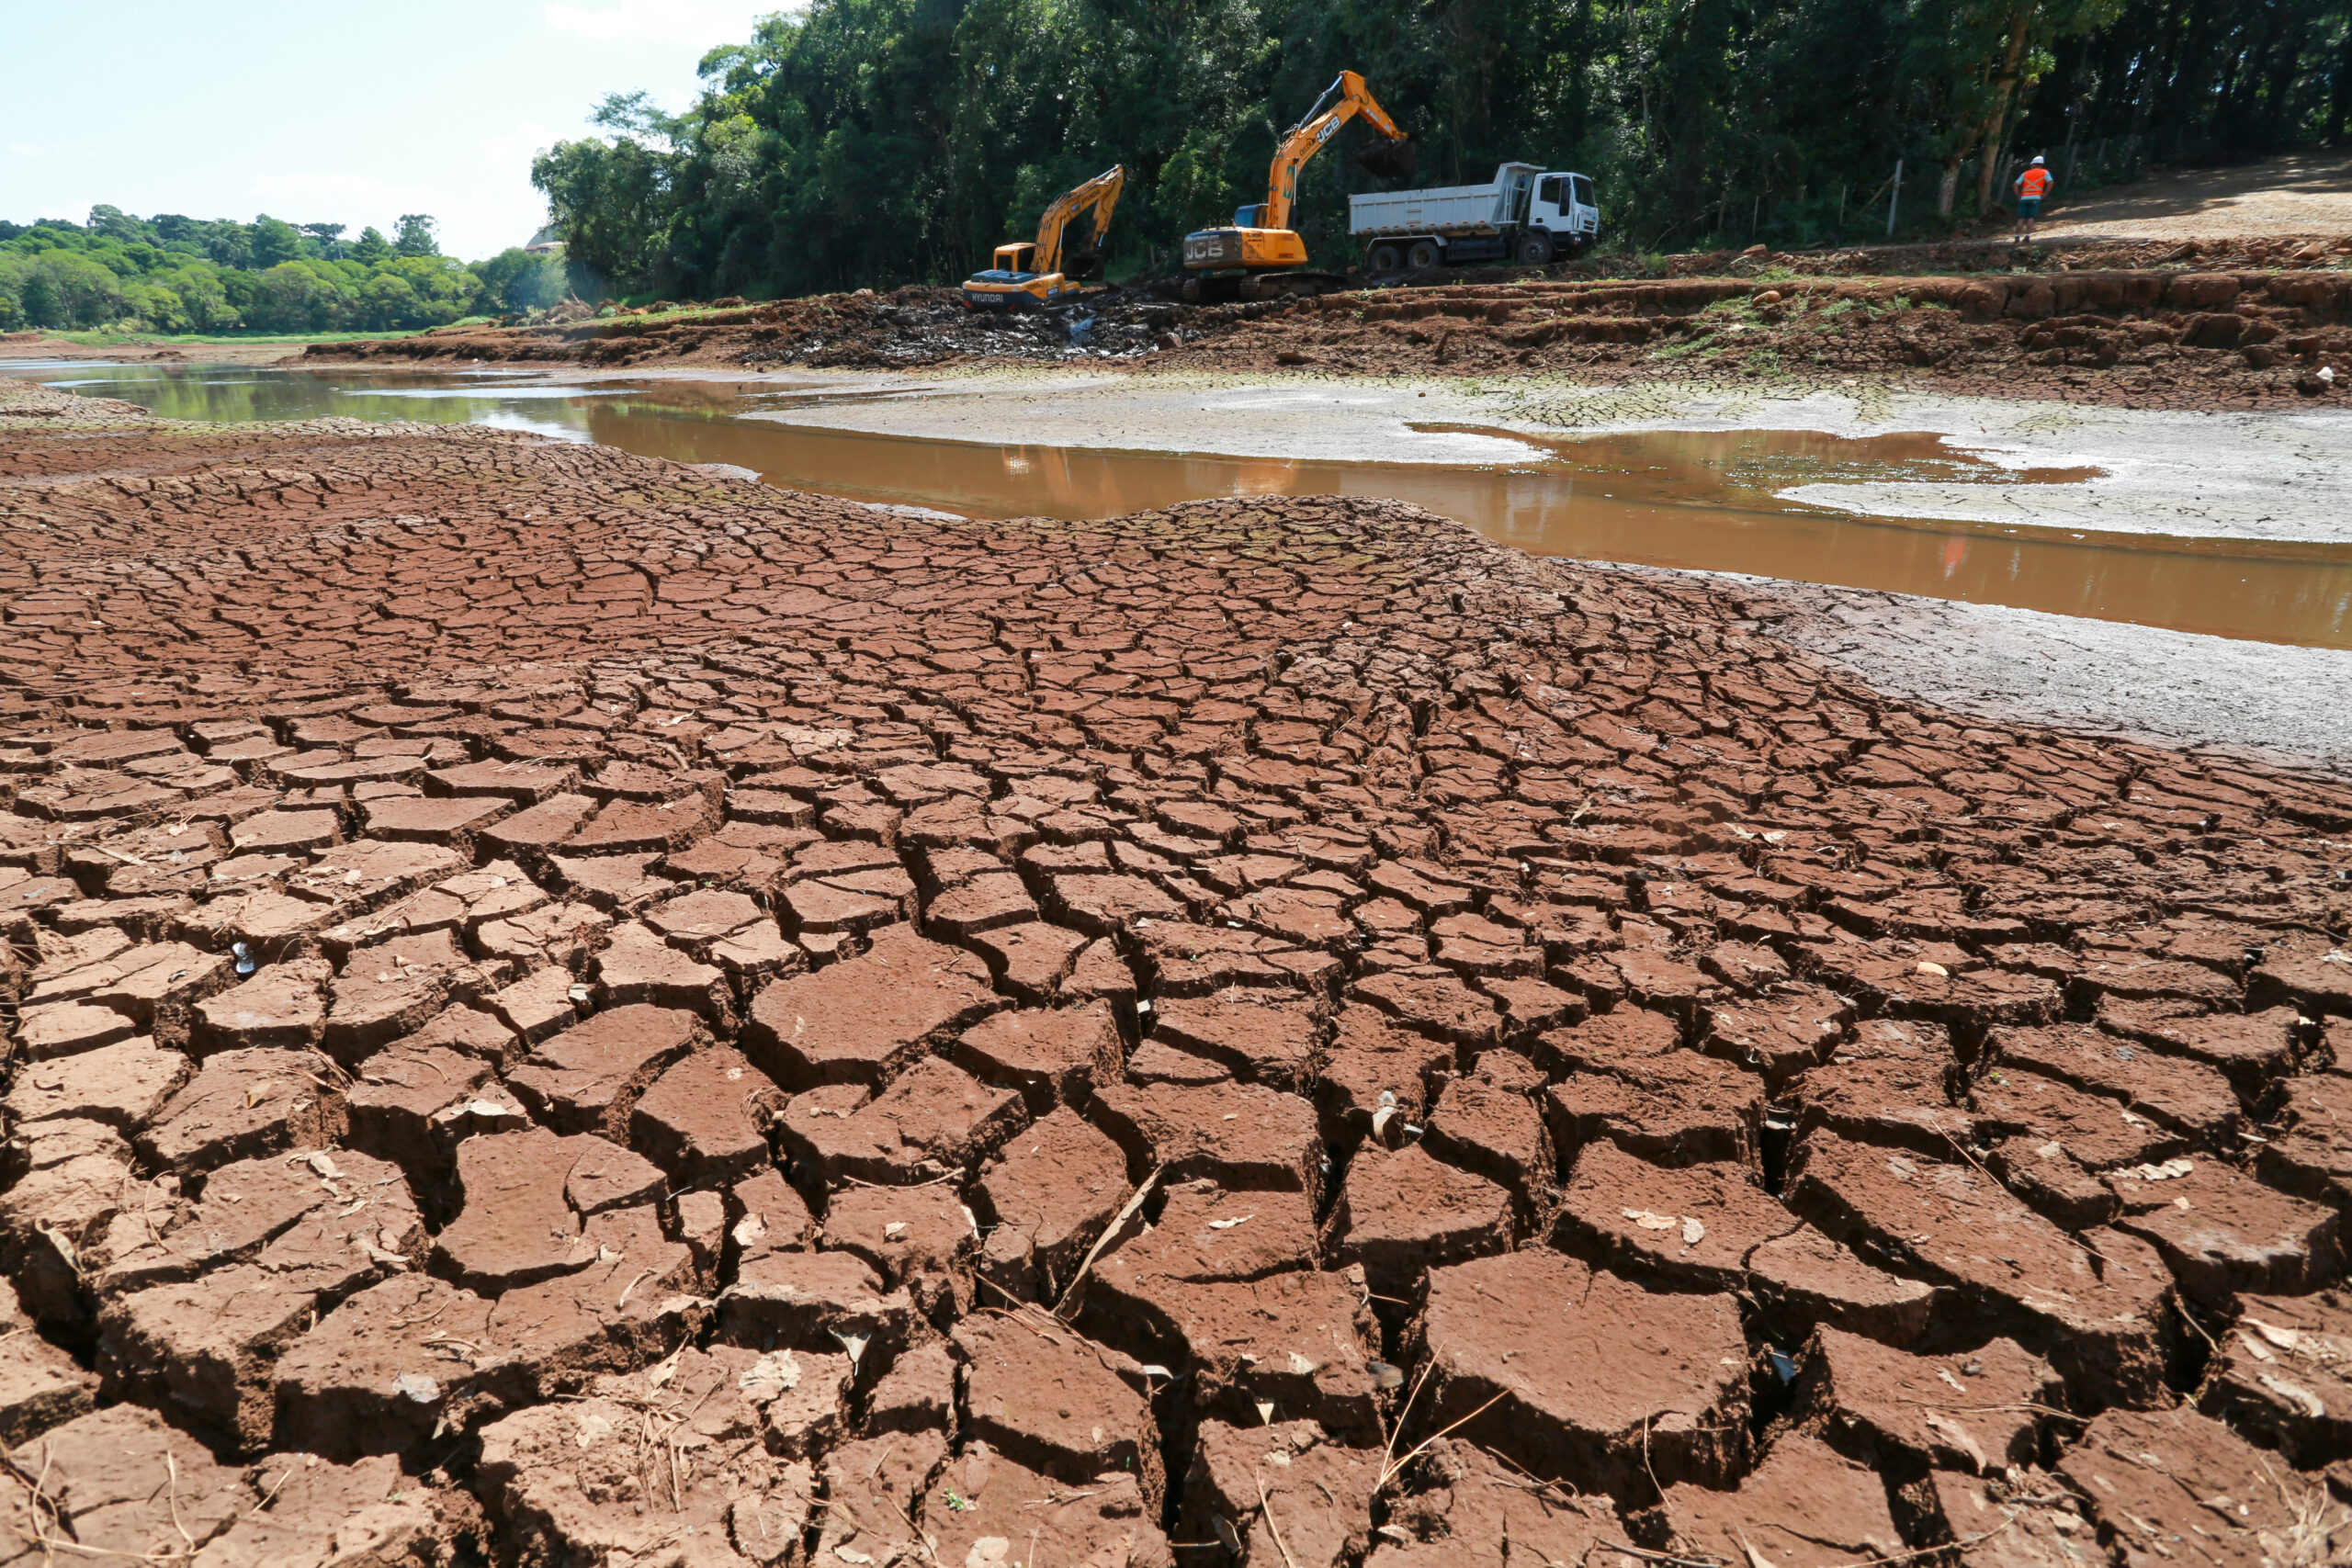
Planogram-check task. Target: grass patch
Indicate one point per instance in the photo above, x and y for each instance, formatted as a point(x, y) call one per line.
point(108, 337)
point(1684, 349)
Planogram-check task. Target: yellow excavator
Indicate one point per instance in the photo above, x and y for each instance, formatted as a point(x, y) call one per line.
point(1260, 256)
point(1029, 275)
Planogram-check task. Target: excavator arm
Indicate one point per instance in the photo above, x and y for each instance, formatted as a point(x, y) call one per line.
point(1097, 198)
point(1306, 138)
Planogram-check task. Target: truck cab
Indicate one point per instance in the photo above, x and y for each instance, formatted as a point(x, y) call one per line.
point(1563, 204)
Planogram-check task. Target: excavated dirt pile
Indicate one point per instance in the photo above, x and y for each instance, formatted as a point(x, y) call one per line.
point(568, 1010)
point(2146, 339)
point(910, 327)
point(2245, 325)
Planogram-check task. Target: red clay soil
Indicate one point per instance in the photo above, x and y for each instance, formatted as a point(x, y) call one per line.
point(559, 1000)
point(2206, 326)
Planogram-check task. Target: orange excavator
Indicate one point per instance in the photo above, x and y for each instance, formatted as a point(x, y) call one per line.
point(1260, 256)
point(1028, 276)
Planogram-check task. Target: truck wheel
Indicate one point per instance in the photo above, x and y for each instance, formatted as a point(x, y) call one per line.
point(1386, 258)
point(1192, 291)
point(1534, 250)
point(1423, 255)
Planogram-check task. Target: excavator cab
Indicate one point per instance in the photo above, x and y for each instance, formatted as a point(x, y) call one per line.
point(1028, 274)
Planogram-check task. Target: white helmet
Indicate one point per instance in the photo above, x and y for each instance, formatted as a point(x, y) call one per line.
point(2037, 160)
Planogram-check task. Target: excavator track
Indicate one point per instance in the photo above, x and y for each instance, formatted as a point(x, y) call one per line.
point(1299, 284)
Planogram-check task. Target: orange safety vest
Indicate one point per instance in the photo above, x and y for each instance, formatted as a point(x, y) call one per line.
point(2032, 183)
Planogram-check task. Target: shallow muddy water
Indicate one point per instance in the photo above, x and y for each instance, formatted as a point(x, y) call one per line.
point(1699, 501)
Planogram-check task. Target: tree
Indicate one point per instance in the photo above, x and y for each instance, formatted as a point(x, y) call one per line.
point(329, 237)
point(78, 293)
point(1979, 58)
point(116, 224)
point(386, 302)
point(372, 247)
point(274, 242)
point(416, 237)
point(609, 201)
point(43, 305)
point(298, 297)
point(515, 280)
point(229, 245)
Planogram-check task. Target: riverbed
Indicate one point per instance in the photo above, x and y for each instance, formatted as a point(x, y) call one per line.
point(2116, 571)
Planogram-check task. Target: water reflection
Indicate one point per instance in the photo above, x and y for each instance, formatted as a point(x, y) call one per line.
point(1699, 501)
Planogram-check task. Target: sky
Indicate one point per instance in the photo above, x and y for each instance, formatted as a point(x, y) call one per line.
point(333, 113)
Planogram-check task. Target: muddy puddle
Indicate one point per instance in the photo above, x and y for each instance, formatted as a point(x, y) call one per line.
point(1670, 498)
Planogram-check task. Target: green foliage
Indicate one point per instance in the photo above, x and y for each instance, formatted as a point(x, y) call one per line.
point(415, 236)
point(273, 243)
point(518, 280)
point(173, 274)
point(877, 141)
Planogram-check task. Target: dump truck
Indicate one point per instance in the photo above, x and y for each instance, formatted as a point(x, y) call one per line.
point(1260, 254)
point(1028, 274)
point(1527, 214)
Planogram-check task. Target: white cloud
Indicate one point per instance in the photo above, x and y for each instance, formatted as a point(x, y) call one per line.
point(335, 188)
point(714, 21)
point(515, 149)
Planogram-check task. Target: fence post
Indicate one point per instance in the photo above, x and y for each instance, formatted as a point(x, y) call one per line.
point(1894, 197)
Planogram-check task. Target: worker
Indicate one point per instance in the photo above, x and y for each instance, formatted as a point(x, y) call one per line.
point(2032, 186)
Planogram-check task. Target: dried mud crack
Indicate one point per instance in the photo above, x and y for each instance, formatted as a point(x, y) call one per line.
point(563, 1010)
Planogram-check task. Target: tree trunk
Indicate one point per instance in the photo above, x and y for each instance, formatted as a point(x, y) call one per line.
point(1948, 186)
point(2012, 62)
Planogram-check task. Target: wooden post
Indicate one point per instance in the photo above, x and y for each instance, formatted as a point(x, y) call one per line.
point(1893, 196)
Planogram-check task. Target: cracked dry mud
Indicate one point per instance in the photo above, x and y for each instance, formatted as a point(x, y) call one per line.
point(564, 1010)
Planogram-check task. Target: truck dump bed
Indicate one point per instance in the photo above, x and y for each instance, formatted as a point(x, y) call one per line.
point(1458, 209)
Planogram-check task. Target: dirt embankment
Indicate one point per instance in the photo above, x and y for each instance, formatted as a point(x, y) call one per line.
point(588, 999)
point(2249, 325)
point(40, 345)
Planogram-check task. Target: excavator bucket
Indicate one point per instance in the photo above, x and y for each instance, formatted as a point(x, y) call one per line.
point(1083, 264)
point(1387, 158)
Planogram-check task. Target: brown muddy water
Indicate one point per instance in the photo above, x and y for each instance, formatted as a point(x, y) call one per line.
point(1668, 498)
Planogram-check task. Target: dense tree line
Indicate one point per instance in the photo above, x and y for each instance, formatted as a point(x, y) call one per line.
point(171, 274)
point(873, 141)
